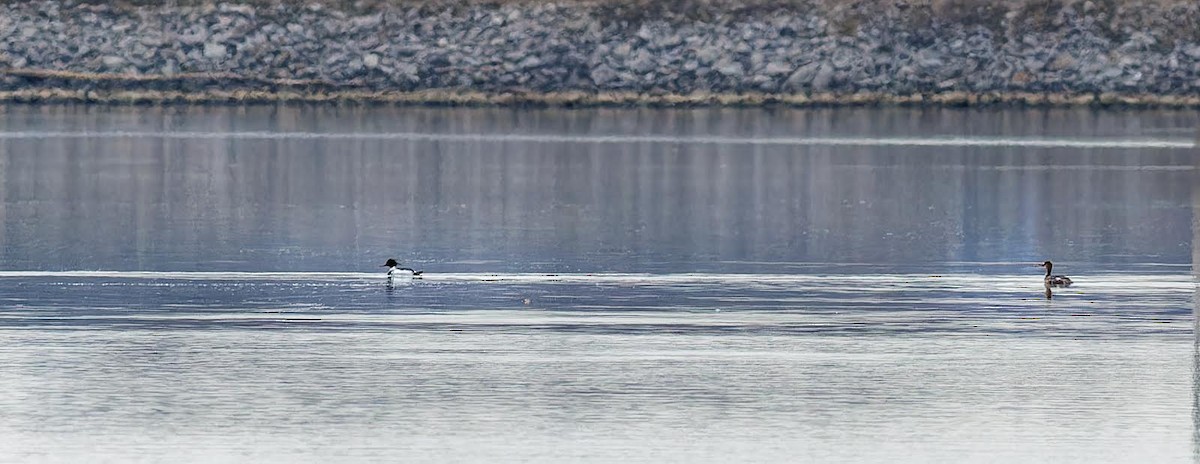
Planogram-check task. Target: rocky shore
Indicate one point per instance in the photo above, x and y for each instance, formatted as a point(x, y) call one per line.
point(607, 52)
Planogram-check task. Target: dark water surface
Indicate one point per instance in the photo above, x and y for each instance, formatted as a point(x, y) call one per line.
point(202, 284)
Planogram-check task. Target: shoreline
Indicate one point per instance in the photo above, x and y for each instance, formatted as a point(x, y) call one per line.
point(123, 90)
point(452, 98)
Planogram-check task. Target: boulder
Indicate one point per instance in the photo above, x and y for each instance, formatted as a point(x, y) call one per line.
point(777, 69)
point(823, 79)
point(642, 62)
point(602, 75)
point(802, 76)
point(214, 51)
point(370, 61)
point(730, 68)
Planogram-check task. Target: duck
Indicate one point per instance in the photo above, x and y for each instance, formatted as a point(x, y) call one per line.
point(394, 270)
point(1055, 280)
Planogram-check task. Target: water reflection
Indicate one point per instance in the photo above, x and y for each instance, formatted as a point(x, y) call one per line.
point(669, 361)
point(330, 204)
point(1196, 315)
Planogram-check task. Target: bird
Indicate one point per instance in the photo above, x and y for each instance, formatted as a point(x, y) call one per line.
point(1055, 280)
point(394, 270)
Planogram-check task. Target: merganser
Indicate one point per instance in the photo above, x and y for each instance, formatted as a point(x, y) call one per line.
point(393, 270)
point(1055, 280)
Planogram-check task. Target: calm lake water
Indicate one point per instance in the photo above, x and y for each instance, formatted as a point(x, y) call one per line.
point(202, 284)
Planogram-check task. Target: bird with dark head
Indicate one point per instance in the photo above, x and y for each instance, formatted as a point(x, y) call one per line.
point(1054, 280)
point(394, 269)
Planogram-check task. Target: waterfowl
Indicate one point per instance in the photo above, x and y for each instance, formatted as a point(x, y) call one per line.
point(394, 269)
point(1055, 280)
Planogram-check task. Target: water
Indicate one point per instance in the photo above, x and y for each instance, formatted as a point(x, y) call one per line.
point(202, 284)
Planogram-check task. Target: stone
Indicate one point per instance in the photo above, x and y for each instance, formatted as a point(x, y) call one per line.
point(641, 62)
point(623, 50)
point(214, 51)
point(1192, 51)
point(407, 71)
point(669, 41)
point(708, 55)
point(777, 69)
point(193, 38)
point(645, 33)
point(244, 10)
point(529, 62)
point(602, 75)
point(1061, 62)
point(112, 62)
point(802, 76)
point(368, 21)
point(560, 47)
point(822, 80)
point(729, 68)
point(929, 59)
point(370, 61)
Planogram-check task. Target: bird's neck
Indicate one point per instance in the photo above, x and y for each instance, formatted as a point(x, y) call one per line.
point(1048, 268)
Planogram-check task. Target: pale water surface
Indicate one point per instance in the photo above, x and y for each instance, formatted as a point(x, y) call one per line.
point(202, 285)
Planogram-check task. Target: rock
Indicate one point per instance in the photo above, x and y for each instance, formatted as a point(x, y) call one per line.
point(529, 63)
point(499, 47)
point(244, 10)
point(823, 78)
point(370, 61)
point(194, 38)
point(113, 63)
point(214, 51)
point(641, 62)
point(842, 59)
point(622, 51)
point(802, 76)
point(1061, 61)
point(929, 59)
point(777, 69)
point(708, 55)
point(669, 41)
point(368, 21)
point(731, 69)
point(602, 75)
point(1192, 51)
point(645, 33)
point(408, 72)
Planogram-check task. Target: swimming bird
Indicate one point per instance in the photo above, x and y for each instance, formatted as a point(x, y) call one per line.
point(1055, 280)
point(394, 270)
